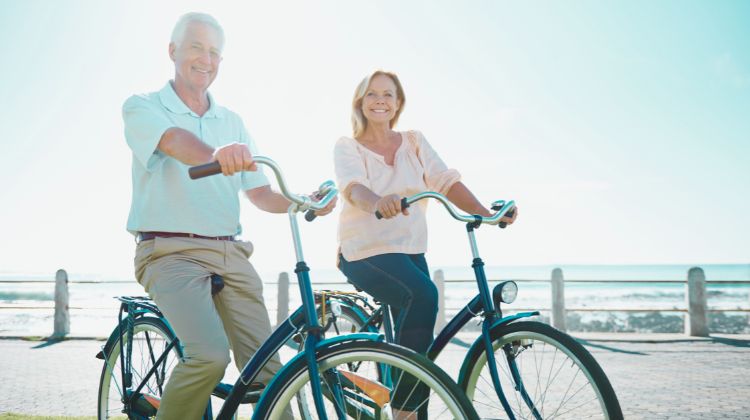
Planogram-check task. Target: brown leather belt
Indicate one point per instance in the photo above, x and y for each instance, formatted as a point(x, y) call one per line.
point(145, 236)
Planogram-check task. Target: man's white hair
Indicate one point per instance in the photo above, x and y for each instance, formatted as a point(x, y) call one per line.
point(178, 33)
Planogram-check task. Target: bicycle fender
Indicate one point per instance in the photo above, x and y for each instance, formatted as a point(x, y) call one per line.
point(515, 317)
point(113, 337)
point(479, 342)
point(110, 342)
point(361, 336)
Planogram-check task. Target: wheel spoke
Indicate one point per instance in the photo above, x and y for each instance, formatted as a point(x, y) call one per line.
point(560, 378)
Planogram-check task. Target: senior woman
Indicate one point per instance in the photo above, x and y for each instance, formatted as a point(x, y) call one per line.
point(375, 168)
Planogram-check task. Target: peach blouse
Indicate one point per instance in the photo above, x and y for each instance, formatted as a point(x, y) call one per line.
point(416, 168)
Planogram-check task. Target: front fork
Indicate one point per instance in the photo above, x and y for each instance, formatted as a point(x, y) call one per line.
point(494, 374)
point(510, 357)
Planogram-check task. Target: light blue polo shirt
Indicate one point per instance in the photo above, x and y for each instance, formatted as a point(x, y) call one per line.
point(165, 199)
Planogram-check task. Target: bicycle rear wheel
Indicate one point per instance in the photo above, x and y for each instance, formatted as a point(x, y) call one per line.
point(559, 376)
point(350, 320)
point(151, 337)
point(354, 368)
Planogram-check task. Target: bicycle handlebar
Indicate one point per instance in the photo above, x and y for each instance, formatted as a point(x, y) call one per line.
point(503, 209)
point(327, 189)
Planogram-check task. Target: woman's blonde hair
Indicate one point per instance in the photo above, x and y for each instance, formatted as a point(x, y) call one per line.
point(359, 122)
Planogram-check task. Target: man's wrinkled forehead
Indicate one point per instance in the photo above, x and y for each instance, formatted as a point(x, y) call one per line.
point(204, 34)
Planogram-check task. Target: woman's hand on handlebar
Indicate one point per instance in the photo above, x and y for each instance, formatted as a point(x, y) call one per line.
point(234, 157)
point(327, 209)
point(510, 217)
point(390, 206)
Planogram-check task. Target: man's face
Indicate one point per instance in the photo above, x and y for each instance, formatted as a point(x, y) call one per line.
point(197, 58)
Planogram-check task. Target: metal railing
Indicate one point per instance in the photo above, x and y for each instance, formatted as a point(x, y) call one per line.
point(695, 308)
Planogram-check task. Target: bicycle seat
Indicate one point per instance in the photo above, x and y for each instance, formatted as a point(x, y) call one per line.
point(217, 283)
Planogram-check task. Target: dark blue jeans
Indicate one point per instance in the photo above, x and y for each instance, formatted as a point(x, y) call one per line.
point(403, 282)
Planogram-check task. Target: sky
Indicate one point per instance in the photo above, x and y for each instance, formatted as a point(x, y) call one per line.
point(620, 129)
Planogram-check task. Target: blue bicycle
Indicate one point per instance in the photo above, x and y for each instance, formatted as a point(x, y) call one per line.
point(516, 368)
point(347, 376)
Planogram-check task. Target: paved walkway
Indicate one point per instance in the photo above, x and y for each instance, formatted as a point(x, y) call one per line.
point(655, 376)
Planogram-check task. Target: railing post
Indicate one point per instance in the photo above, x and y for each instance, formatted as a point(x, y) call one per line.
point(282, 300)
point(62, 305)
point(439, 279)
point(558, 300)
point(697, 322)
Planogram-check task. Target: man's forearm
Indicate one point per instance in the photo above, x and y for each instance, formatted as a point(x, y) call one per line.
point(268, 200)
point(185, 147)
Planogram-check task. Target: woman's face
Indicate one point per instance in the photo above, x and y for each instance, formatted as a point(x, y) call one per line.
point(380, 102)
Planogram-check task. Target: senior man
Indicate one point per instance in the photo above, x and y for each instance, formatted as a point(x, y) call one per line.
point(186, 230)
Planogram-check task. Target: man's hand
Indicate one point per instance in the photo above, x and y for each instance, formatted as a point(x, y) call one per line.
point(390, 206)
point(234, 157)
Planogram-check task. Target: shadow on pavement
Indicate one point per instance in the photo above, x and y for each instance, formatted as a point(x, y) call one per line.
point(731, 341)
point(461, 343)
point(608, 348)
point(48, 342)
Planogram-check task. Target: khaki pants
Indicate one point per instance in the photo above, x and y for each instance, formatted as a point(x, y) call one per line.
point(175, 272)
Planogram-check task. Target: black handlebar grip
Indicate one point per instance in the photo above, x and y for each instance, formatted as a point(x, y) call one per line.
point(508, 214)
point(404, 205)
point(202, 171)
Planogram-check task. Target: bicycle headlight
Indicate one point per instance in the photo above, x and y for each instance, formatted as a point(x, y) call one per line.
point(505, 292)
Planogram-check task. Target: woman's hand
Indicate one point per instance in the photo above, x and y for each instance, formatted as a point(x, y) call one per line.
point(390, 206)
point(327, 209)
point(510, 219)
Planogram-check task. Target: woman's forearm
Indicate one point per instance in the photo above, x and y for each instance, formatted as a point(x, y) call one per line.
point(462, 197)
point(363, 198)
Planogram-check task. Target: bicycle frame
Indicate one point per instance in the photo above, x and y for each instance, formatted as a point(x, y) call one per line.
point(482, 304)
point(304, 319)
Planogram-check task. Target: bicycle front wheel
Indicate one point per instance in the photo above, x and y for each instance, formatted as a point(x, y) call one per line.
point(150, 340)
point(350, 377)
point(544, 373)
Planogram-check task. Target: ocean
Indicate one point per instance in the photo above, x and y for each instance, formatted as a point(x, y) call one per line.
point(27, 301)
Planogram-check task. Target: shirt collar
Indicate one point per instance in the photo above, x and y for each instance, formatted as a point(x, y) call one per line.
point(174, 104)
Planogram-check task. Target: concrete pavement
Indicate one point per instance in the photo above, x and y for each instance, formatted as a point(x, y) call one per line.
point(656, 376)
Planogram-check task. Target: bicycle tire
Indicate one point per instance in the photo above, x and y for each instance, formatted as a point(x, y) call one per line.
point(152, 336)
point(446, 400)
point(530, 343)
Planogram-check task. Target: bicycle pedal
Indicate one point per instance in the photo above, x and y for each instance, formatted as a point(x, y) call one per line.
point(146, 405)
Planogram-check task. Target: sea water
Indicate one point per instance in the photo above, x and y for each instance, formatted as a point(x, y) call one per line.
point(27, 301)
